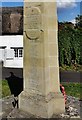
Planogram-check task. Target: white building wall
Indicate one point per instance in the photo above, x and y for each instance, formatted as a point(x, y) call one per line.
point(15, 63)
point(7, 54)
point(11, 41)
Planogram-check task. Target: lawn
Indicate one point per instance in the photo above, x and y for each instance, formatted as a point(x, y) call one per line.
point(4, 88)
point(72, 89)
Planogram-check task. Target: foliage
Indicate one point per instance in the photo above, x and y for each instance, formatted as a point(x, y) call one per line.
point(78, 20)
point(69, 39)
point(77, 68)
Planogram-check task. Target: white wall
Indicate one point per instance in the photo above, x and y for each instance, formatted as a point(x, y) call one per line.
point(11, 41)
point(7, 55)
point(15, 63)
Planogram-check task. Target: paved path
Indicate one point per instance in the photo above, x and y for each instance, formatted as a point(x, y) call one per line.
point(71, 76)
point(65, 76)
point(5, 72)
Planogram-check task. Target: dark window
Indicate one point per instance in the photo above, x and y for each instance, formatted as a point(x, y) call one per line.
point(20, 53)
point(16, 52)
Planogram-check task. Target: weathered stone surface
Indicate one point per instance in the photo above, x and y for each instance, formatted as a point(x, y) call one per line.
point(41, 95)
point(6, 106)
point(9, 112)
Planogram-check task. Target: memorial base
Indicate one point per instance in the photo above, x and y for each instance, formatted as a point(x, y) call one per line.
point(42, 106)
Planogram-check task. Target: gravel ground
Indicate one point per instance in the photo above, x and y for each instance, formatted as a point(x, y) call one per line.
point(73, 109)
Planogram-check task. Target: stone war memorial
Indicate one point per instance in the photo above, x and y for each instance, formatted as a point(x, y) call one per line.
point(41, 95)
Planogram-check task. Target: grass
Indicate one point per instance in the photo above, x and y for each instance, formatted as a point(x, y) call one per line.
point(73, 89)
point(4, 88)
point(0, 88)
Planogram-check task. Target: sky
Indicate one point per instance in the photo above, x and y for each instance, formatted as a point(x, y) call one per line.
point(67, 10)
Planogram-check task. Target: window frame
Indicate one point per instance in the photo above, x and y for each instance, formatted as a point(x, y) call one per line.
point(17, 53)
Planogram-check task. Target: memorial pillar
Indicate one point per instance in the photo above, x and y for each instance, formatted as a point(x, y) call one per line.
point(41, 95)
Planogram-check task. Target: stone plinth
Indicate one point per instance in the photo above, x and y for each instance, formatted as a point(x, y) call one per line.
point(41, 95)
